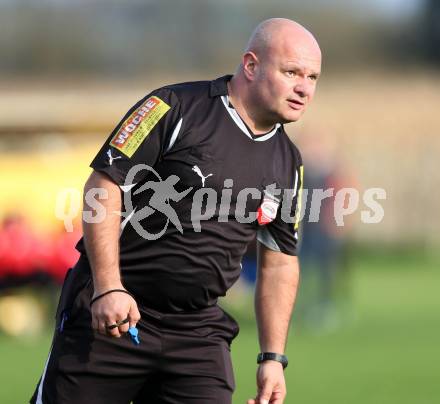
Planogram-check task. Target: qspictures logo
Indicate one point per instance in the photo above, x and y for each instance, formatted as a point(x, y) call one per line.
point(209, 204)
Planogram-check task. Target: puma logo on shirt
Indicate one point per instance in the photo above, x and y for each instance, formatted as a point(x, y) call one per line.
point(111, 158)
point(197, 170)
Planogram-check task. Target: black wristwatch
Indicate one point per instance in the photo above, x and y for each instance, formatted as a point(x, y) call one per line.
point(271, 356)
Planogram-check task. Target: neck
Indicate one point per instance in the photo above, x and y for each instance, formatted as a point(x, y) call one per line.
point(240, 99)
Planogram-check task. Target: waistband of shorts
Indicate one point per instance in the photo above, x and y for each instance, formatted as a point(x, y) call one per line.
point(182, 314)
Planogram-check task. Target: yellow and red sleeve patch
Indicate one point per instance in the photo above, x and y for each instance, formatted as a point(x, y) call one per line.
point(138, 125)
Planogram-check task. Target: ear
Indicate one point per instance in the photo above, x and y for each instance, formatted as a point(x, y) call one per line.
point(250, 65)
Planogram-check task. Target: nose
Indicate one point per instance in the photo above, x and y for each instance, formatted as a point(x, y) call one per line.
point(300, 91)
point(301, 88)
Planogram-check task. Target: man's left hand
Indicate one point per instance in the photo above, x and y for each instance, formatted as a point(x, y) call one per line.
point(271, 384)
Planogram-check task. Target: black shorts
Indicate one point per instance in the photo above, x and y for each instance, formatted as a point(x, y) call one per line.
point(182, 358)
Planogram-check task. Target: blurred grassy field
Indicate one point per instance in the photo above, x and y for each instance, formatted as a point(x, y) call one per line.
point(387, 353)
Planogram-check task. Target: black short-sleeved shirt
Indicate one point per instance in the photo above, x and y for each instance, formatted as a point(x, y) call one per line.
point(192, 137)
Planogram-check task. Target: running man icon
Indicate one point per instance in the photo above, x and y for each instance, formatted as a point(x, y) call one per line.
point(163, 192)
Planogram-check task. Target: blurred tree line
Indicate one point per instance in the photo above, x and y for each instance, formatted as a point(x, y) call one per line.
point(134, 36)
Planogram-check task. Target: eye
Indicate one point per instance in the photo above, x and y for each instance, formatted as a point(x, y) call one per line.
point(290, 73)
point(313, 77)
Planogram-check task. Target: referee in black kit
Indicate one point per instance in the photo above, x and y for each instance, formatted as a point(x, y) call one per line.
point(181, 186)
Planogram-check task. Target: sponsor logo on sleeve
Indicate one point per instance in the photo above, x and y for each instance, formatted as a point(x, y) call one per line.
point(138, 126)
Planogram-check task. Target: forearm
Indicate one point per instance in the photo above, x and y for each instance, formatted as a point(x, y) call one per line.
point(275, 294)
point(102, 239)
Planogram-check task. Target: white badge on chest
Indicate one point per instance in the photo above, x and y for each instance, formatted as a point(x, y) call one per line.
point(268, 209)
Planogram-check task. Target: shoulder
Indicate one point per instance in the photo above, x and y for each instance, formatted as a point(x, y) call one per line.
point(190, 90)
point(174, 96)
point(183, 95)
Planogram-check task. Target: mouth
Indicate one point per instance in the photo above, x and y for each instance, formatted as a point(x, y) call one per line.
point(295, 104)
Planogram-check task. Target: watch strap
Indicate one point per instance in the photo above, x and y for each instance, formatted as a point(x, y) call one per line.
point(272, 356)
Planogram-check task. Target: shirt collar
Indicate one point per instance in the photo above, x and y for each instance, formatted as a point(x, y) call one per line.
point(219, 86)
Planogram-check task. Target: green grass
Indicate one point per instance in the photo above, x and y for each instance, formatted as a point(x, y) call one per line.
point(387, 352)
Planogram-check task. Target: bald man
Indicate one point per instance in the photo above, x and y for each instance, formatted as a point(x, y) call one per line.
point(138, 319)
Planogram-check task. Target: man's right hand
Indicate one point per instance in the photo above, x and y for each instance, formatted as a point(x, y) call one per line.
point(111, 309)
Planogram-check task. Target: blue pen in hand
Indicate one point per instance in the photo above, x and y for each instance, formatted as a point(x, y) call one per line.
point(133, 332)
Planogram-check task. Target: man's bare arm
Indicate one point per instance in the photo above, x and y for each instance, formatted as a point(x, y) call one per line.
point(102, 239)
point(102, 245)
point(277, 283)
